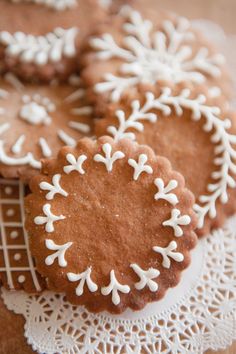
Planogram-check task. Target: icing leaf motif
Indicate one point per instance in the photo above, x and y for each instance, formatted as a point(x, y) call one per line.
point(146, 278)
point(140, 166)
point(54, 188)
point(113, 288)
point(225, 152)
point(75, 165)
point(109, 159)
point(137, 115)
point(150, 56)
point(40, 50)
point(163, 192)
point(168, 252)
point(83, 278)
point(176, 220)
point(60, 253)
point(49, 219)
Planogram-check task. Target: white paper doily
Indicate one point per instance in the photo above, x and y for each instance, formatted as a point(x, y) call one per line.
point(199, 314)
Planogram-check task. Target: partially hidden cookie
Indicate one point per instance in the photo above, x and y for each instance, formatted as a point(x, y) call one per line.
point(194, 134)
point(140, 47)
point(36, 121)
point(17, 268)
point(110, 224)
point(42, 39)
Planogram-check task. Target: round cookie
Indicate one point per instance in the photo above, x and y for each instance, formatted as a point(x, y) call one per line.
point(193, 134)
point(42, 40)
point(17, 268)
point(110, 224)
point(36, 121)
point(149, 47)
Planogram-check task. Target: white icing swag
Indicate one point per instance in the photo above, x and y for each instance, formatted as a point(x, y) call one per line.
point(166, 192)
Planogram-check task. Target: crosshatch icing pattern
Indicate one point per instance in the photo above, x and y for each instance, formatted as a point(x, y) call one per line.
point(17, 269)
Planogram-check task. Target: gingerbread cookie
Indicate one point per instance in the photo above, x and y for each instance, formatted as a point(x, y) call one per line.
point(42, 39)
point(110, 224)
point(194, 135)
point(149, 47)
point(36, 121)
point(17, 268)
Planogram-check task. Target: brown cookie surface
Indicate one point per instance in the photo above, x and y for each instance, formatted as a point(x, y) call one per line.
point(44, 40)
point(36, 121)
point(110, 224)
point(17, 268)
point(149, 46)
point(193, 134)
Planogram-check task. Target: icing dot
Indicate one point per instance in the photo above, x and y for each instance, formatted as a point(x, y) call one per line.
point(14, 234)
point(8, 190)
point(17, 256)
point(21, 279)
point(10, 212)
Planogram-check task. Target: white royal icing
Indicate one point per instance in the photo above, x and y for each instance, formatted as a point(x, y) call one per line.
point(225, 153)
point(146, 277)
point(40, 50)
point(114, 288)
point(109, 159)
point(140, 167)
point(176, 221)
point(163, 192)
point(75, 164)
point(54, 188)
point(34, 114)
point(83, 278)
point(15, 244)
point(150, 56)
point(134, 120)
point(35, 110)
point(58, 5)
point(46, 150)
point(168, 252)
point(49, 219)
point(59, 254)
point(28, 159)
point(17, 147)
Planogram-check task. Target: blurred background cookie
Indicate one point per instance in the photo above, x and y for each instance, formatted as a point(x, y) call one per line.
point(42, 40)
point(149, 47)
point(37, 120)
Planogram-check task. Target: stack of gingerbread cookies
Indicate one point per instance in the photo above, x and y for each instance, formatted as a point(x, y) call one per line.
point(117, 149)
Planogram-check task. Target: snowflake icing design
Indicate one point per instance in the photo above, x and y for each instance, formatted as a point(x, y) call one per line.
point(152, 56)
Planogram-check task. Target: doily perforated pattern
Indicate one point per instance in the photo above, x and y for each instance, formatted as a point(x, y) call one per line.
point(202, 318)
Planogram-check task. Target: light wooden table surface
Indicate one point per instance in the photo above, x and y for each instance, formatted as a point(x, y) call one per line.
point(221, 11)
